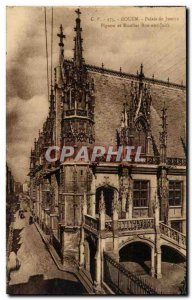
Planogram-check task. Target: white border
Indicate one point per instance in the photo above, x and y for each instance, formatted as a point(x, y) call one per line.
point(3, 5)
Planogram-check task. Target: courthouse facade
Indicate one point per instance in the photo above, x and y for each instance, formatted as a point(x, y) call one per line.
point(90, 209)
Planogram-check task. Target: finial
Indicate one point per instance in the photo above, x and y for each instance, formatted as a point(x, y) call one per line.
point(102, 203)
point(141, 75)
point(102, 65)
point(168, 79)
point(78, 12)
point(78, 49)
point(163, 134)
point(120, 69)
point(61, 36)
point(153, 76)
point(141, 69)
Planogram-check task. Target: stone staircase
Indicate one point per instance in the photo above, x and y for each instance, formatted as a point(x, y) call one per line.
point(174, 237)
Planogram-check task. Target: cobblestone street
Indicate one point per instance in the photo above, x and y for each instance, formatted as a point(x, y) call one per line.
point(38, 273)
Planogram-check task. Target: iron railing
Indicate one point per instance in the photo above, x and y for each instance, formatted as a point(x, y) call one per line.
point(123, 282)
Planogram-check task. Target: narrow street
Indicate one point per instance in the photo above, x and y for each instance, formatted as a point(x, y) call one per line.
point(38, 273)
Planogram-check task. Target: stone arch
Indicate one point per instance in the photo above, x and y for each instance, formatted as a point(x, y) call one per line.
point(175, 249)
point(147, 241)
point(104, 184)
point(173, 262)
point(136, 255)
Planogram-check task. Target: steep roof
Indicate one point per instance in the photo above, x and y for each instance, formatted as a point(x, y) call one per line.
point(111, 87)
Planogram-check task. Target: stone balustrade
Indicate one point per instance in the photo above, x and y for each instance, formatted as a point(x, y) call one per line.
point(123, 224)
point(92, 222)
point(136, 224)
point(173, 234)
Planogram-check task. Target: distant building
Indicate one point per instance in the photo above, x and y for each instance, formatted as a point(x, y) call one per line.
point(10, 182)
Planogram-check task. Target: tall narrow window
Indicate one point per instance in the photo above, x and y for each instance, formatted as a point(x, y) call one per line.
point(140, 193)
point(175, 193)
point(140, 137)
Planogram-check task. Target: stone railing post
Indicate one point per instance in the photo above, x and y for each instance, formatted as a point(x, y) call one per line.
point(92, 198)
point(156, 213)
point(102, 213)
point(115, 219)
point(158, 264)
point(153, 262)
point(82, 249)
point(98, 267)
point(84, 203)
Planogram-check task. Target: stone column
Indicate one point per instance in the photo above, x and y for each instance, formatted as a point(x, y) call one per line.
point(158, 263)
point(102, 213)
point(97, 282)
point(115, 219)
point(153, 262)
point(82, 249)
point(92, 198)
point(84, 203)
point(102, 231)
point(163, 188)
point(82, 233)
point(156, 209)
point(129, 201)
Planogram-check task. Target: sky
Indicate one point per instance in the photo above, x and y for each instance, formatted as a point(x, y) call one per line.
point(160, 49)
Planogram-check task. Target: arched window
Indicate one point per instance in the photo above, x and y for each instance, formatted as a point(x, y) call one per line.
point(140, 136)
point(108, 193)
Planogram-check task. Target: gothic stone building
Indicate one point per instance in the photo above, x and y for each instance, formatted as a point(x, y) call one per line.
point(94, 209)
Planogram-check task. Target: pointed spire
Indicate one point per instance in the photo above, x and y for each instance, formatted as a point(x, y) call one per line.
point(78, 49)
point(163, 134)
point(141, 74)
point(61, 41)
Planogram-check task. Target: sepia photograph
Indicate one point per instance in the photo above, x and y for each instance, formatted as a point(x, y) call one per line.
point(96, 152)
